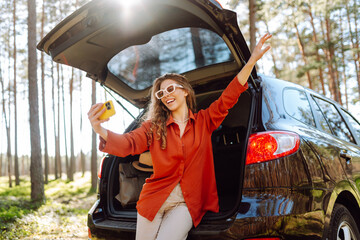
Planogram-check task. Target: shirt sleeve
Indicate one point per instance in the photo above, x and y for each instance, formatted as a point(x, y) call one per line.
point(218, 110)
point(131, 143)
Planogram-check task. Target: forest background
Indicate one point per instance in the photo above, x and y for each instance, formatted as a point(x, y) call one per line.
point(314, 44)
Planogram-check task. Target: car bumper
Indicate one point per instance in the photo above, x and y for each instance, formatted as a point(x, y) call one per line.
point(282, 213)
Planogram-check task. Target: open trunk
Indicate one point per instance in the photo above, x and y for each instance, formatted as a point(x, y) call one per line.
point(110, 42)
point(229, 149)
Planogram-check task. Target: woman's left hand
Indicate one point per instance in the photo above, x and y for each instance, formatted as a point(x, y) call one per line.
point(258, 51)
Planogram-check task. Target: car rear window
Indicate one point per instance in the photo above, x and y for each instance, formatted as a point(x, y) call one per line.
point(297, 106)
point(177, 51)
point(336, 122)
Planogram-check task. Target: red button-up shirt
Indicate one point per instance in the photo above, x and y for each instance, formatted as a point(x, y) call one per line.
point(188, 160)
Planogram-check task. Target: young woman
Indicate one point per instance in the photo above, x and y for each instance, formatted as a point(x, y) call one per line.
point(182, 188)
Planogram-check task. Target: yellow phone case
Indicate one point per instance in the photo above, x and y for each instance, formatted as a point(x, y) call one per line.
point(110, 110)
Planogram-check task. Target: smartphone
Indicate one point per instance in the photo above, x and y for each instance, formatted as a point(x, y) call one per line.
point(110, 110)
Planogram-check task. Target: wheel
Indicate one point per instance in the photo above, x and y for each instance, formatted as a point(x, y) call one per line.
point(342, 225)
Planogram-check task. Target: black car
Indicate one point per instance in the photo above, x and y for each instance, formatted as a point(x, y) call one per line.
point(287, 159)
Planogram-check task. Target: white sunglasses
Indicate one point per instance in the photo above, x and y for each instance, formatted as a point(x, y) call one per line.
point(169, 89)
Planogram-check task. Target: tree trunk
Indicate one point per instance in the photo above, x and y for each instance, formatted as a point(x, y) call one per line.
point(59, 68)
point(46, 155)
point(36, 172)
point(93, 148)
point(252, 22)
point(329, 59)
point(54, 118)
point(16, 158)
point(9, 156)
point(199, 56)
point(318, 59)
point(58, 154)
point(8, 123)
point(343, 61)
point(7, 127)
point(64, 122)
point(82, 157)
point(72, 157)
point(23, 165)
point(302, 50)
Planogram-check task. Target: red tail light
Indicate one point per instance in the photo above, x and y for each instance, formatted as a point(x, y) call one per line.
point(266, 146)
point(100, 168)
point(89, 234)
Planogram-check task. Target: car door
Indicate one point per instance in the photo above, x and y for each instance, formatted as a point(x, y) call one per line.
point(353, 154)
point(343, 143)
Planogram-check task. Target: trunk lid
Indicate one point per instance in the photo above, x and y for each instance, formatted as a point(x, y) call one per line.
point(125, 45)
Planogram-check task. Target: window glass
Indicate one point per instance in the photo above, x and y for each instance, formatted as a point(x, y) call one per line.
point(297, 106)
point(177, 51)
point(322, 121)
point(335, 120)
point(354, 123)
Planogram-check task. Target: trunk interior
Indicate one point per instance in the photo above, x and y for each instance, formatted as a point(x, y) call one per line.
point(228, 141)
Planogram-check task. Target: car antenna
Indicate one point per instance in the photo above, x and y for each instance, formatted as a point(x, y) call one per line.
point(118, 101)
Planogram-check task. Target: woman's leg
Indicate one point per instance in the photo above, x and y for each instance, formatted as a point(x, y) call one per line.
point(173, 220)
point(147, 230)
point(175, 224)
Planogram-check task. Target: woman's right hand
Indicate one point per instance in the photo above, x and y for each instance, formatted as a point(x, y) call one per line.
point(93, 115)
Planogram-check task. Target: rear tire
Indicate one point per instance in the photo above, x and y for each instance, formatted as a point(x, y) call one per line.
point(342, 225)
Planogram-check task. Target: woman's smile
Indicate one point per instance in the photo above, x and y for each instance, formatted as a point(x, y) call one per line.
point(171, 100)
point(174, 100)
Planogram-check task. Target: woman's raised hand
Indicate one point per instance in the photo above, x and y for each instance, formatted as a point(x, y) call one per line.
point(93, 115)
point(258, 51)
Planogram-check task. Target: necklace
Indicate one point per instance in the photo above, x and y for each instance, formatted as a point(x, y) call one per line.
point(175, 120)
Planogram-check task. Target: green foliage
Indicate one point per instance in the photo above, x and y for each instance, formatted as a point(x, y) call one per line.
point(66, 206)
point(10, 214)
point(329, 38)
point(13, 208)
point(22, 190)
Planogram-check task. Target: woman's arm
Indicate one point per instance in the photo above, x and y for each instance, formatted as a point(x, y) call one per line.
point(134, 142)
point(131, 143)
point(218, 110)
point(258, 52)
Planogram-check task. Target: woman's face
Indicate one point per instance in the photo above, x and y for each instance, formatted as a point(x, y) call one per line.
point(175, 100)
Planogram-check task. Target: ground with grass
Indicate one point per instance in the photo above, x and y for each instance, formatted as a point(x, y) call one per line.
point(62, 216)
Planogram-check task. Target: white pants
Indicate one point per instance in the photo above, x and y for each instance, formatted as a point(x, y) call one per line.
point(173, 220)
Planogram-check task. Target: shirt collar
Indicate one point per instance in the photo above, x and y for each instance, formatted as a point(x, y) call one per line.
point(171, 119)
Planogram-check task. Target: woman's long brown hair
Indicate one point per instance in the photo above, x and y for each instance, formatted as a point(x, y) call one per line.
point(158, 113)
